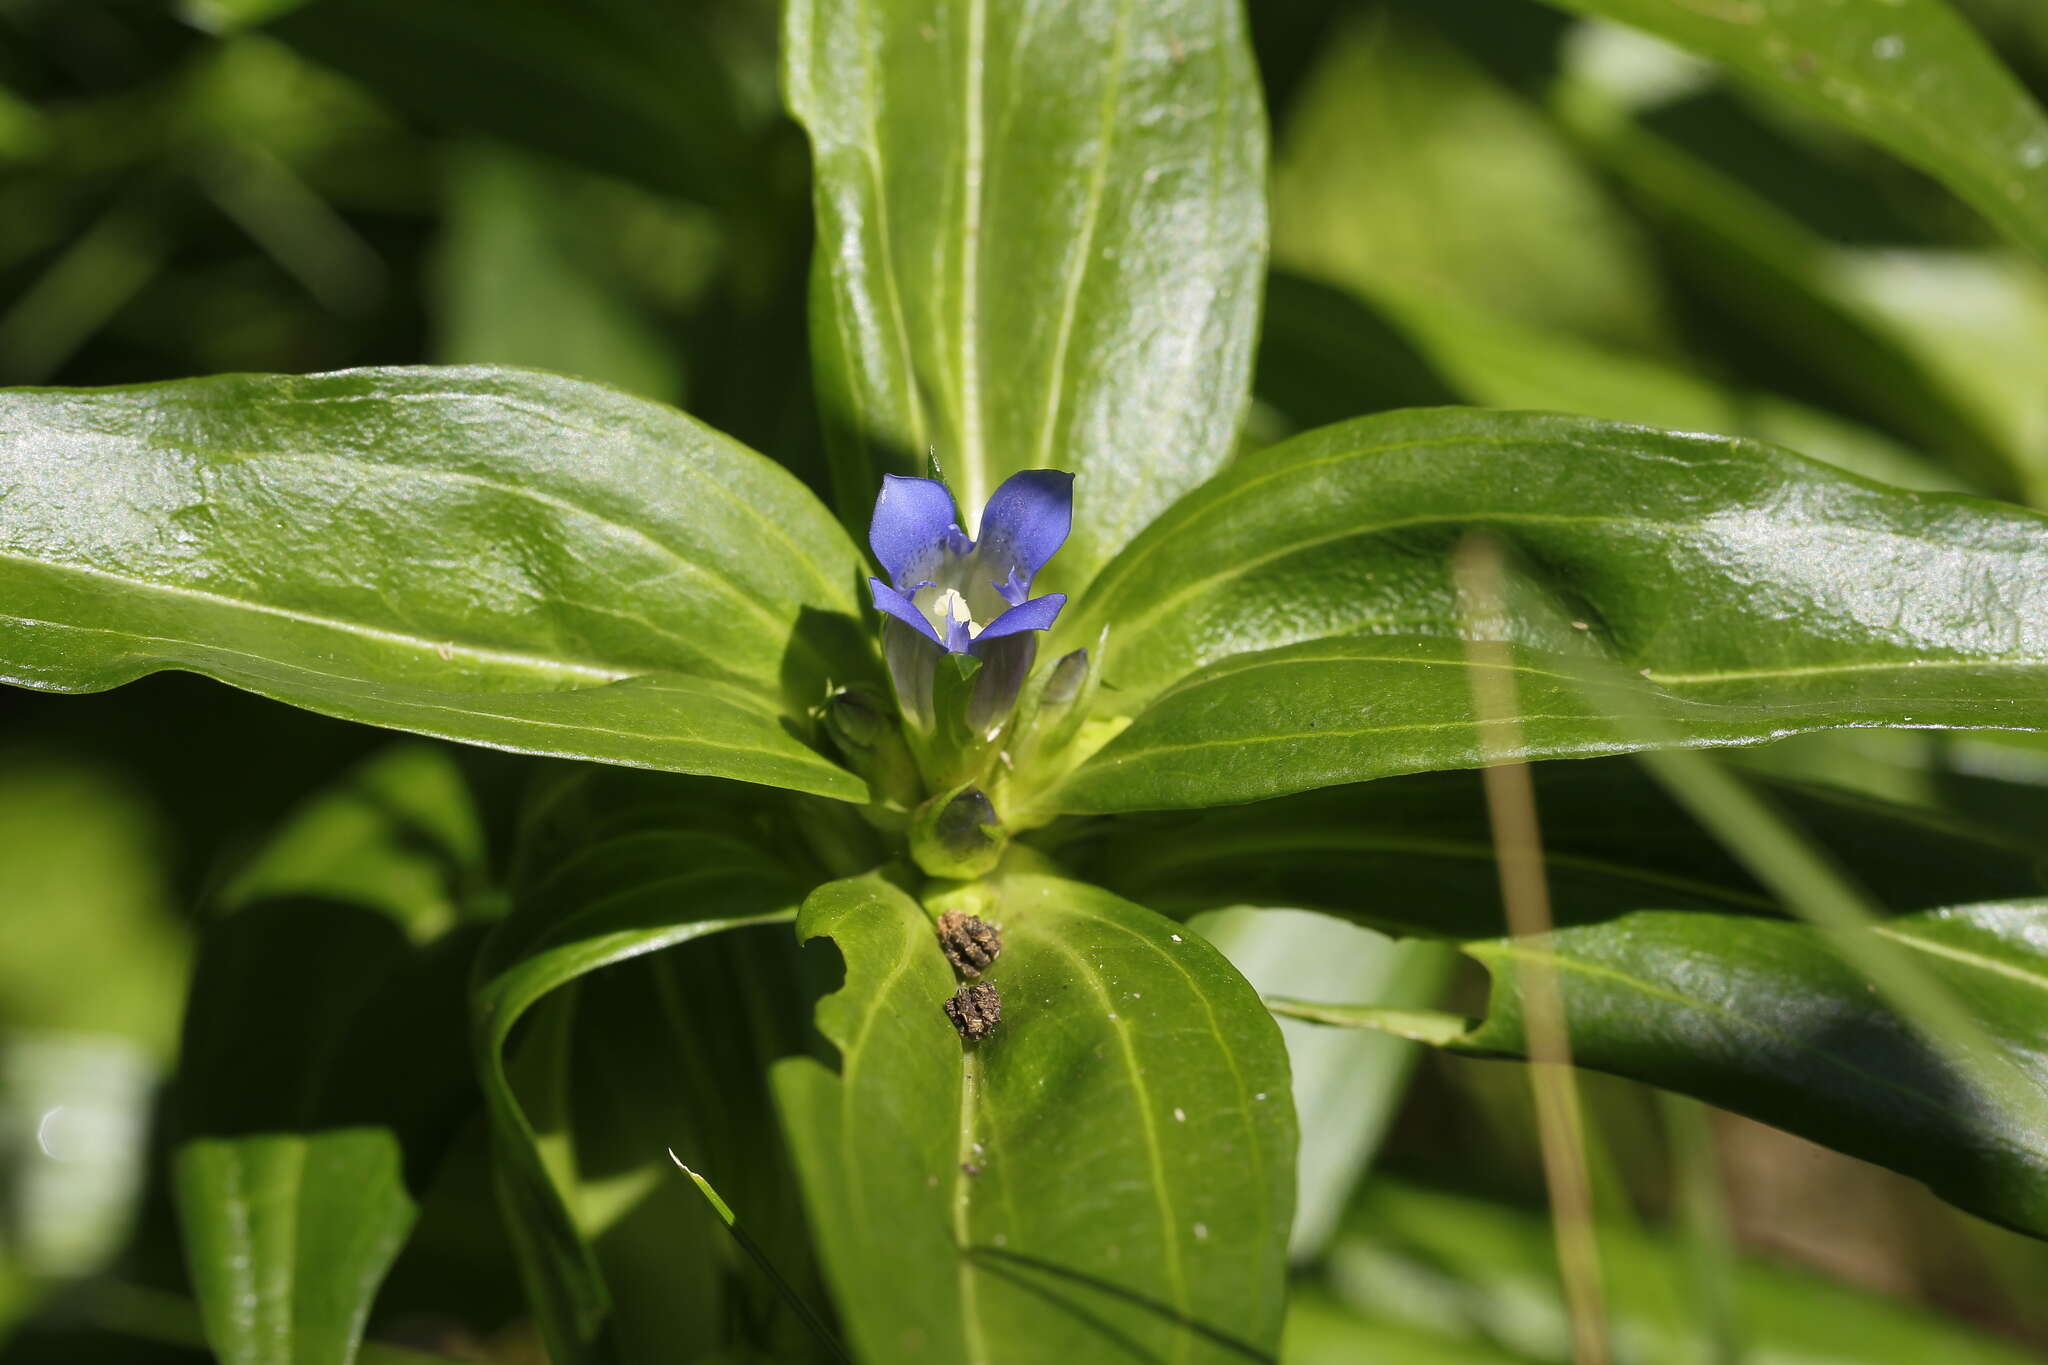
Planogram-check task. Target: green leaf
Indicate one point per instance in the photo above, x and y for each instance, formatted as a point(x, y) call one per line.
point(1322, 1331)
point(323, 1073)
point(615, 866)
point(493, 556)
point(1348, 1085)
point(1786, 287)
point(1474, 1280)
point(518, 288)
point(1040, 234)
point(1058, 1190)
point(1910, 75)
point(87, 887)
point(1415, 855)
point(1762, 1017)
point(1294, 623)
point(604, 83)
point(1445, 201)
point(671, 1054)
point(1410, 174)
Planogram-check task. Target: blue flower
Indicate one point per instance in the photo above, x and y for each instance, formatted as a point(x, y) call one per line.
point(948, 594)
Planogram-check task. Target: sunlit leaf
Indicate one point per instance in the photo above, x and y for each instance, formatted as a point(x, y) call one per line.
point(494, 556)
point(1040, 232)
point(1911, 75)
point(1294, 623)
point(1055, 1191)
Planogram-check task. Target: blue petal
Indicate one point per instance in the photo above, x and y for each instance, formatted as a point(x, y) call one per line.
point(1012, 589)
point(1037, 614)
point(914, 521)
point(1024, 522)
point(887, 599)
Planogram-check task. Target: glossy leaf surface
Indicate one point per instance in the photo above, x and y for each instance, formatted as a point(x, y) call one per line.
point(1751, 593)
point(1763, 1018)
point(1911, 75)
point(1040, 232)
point(616, 866)
point(1415, 855)
point(1055, 1191)
point(323, 1073)
point(493, 556)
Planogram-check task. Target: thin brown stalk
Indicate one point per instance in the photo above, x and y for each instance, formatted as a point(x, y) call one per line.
point(1525, 896)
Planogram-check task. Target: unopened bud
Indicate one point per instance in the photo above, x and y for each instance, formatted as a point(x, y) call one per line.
point(866, 735)
point(1068, 677)
point(956, 834)
point(855, 720)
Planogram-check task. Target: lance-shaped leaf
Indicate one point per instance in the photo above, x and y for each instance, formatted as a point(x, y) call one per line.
point(1106, 1176)
point(1764, 1018)
point(1415, 855)
point(1040, 232)
point(1750, 593)
point(1911, 75)
point(614, 866)
point(492, 556)
point(323, 1071)
point(1430, 1277)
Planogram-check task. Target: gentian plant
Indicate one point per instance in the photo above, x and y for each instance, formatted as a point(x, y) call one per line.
point(860, 887)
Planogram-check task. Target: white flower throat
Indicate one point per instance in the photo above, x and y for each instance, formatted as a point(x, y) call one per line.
point(951, 608)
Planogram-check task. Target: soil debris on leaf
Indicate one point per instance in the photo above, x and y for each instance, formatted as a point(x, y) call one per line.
point(971, 942)
point(975, 1010)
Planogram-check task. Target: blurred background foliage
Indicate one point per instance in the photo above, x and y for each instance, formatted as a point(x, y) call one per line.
point(1474, 201)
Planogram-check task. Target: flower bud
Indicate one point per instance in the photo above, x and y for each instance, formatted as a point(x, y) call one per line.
point(956, 834)
point(866, 735)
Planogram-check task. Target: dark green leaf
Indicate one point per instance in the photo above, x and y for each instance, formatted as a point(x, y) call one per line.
point(494, 556)
point(1107, 1176)
point(323, 1071)
point(1762, 1017)
point(616, 866)
point(671, 1054)
point(1752, 593)
point(609, 84)
point(1911, 75)
point(1040, 235)
point(1415, 855)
